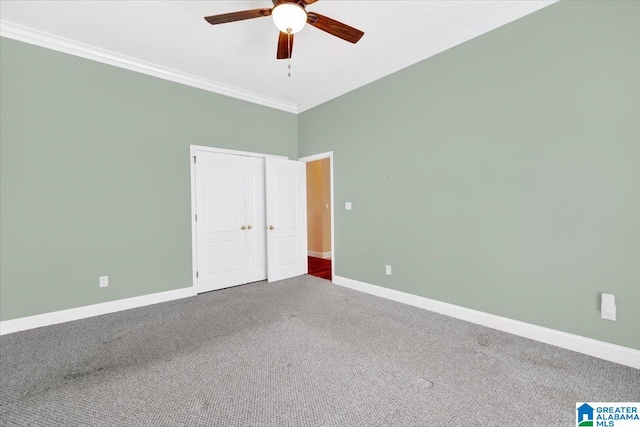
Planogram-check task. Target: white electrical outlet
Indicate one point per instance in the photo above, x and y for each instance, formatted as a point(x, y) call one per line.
point(104, 281)
point(608, 307)
point(388, 270)
point(347, 206)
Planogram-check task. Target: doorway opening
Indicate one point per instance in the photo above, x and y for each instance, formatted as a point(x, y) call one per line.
point(320, 216)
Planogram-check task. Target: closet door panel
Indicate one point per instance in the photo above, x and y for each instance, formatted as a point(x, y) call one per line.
point(220, 207)
point(286, 219)
point(256, 219)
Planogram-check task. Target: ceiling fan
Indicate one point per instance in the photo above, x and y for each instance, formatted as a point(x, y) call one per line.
point(290, 16)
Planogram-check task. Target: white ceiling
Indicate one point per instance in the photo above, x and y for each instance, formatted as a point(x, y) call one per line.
point(170, 39)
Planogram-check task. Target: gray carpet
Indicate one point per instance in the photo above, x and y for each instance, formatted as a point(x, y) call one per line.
point(302, 352)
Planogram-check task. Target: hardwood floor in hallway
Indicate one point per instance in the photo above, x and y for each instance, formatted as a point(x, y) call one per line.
point(320, 267)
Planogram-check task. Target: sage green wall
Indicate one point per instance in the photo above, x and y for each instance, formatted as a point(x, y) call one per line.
point(95, 176)
point(502, 175)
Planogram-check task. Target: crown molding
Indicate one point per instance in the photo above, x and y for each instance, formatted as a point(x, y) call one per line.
point(49, 41)
point(490, 22)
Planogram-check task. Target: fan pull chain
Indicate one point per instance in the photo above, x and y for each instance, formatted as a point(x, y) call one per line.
point(289, 49)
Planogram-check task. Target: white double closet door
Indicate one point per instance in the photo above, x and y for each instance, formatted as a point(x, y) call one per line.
point(232, 231)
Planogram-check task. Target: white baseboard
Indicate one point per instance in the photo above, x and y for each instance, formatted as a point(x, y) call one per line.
point(603, 350)
point(53, 318)
point(323, 255)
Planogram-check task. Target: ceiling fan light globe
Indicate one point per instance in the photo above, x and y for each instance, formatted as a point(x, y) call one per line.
point(289, 17)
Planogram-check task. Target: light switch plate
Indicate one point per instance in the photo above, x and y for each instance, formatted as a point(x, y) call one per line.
point(104, 281)
point(347, 206)
point(608, 307)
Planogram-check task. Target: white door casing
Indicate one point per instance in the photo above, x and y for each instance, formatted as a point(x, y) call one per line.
point(313, 158)
point(220, 209)
point(286, 219)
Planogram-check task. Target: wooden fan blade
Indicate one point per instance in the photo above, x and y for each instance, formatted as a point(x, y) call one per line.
point(285, 46)
point(306, 2)
point(334, 27)
point(237, 16)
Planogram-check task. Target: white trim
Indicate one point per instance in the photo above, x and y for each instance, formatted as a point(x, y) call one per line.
point(55, 317)
point(312, 158)
point(72, 47)
point(494, 20)
point(307, 159)
point(323, 255)
point(192, 170)
point(194, 148)
point(497, 19)
point(194, 211)
point(600, 349)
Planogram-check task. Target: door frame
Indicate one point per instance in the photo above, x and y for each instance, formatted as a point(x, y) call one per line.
point(192, 171)
point(313, 158)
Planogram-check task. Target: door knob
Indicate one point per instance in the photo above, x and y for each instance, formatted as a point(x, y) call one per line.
point(271, 227)
point(249, 227)
point(243, 227)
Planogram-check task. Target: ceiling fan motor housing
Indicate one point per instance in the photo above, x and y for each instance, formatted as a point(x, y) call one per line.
point(289, 16)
